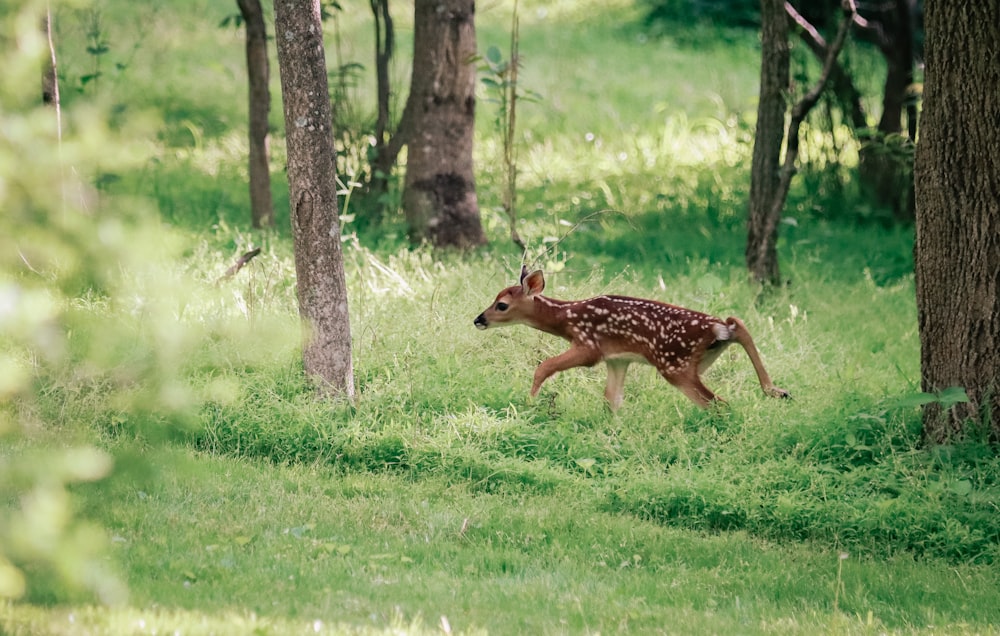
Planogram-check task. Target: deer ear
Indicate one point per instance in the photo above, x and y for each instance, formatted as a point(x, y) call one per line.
point(533, 283)
point(524, 273)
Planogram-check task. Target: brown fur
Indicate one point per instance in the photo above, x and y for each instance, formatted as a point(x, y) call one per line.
point(619, 330)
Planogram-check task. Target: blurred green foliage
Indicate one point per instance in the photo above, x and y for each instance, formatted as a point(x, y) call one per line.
point(71, 323)
point(664, 13)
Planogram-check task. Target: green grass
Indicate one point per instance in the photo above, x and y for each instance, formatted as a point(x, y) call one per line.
point(207, 538)
point(242, 504)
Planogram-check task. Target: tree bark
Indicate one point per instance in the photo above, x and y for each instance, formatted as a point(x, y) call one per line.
point(385, 44)
point(887, 175)
point(258, 74)
point(439, 196)
point(843, 86)
point(767, 200)
point(762, 251)
point(957, 254)
point(319, 263)
point(50, 79)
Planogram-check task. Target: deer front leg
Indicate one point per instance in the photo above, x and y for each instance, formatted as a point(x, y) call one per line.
point(575, 356)
point(614, 392)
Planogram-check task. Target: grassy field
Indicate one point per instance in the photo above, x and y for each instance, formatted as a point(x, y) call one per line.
point(444, 500)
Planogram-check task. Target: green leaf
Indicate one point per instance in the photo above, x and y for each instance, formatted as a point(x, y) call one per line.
point(234, 19)
point(951, 396)
point(494, 55)
point(947, 398)
point(911, 400)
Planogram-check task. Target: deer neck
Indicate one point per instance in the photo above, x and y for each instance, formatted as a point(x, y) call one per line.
point(550, 316)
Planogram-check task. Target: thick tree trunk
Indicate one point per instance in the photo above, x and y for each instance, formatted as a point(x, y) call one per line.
point(439, 196)
point(762, 234)
point(319, 263)
point(258, 73)
point(958, 215)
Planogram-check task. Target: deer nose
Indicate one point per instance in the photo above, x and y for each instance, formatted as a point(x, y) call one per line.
point(480, 322)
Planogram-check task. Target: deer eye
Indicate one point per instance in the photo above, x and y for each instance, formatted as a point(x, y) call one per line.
point(502, 306)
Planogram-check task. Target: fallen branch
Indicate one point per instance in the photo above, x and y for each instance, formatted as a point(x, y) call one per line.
point(239, 264)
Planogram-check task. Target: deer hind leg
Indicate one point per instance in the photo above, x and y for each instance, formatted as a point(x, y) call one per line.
point(723, 338)
point(574, 357)
point(738, 332)
point(691, 385)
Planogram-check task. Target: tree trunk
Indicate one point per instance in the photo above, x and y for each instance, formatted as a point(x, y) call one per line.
point(848, 95)
point(50, 79)
point(258, 73)
point(762, 235)
point(319, 264)
point(957, 253)
point(885, 170)
point(439, 196)
point(385, 44)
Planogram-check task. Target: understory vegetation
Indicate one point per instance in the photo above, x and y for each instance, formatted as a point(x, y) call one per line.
point(443, 498)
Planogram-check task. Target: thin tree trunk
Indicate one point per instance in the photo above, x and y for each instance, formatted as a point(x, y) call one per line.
point(50, 79)
point(385, 44)
point(767, 201)
point(319, 263)
point(439, 196)
point(258, 73)
point(957, 254)
point(887, 175)
point(841, 82)
point(761, 252)
point(50, 83)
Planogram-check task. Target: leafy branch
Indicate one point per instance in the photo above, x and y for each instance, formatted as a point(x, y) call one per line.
point(500, 79)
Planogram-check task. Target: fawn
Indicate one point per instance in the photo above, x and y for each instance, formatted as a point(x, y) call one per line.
point(619, 330)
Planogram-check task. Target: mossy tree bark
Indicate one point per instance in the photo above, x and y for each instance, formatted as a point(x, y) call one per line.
point(957, 254)
point(319, 263)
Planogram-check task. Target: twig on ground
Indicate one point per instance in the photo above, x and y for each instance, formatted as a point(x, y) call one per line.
point(238, 265)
